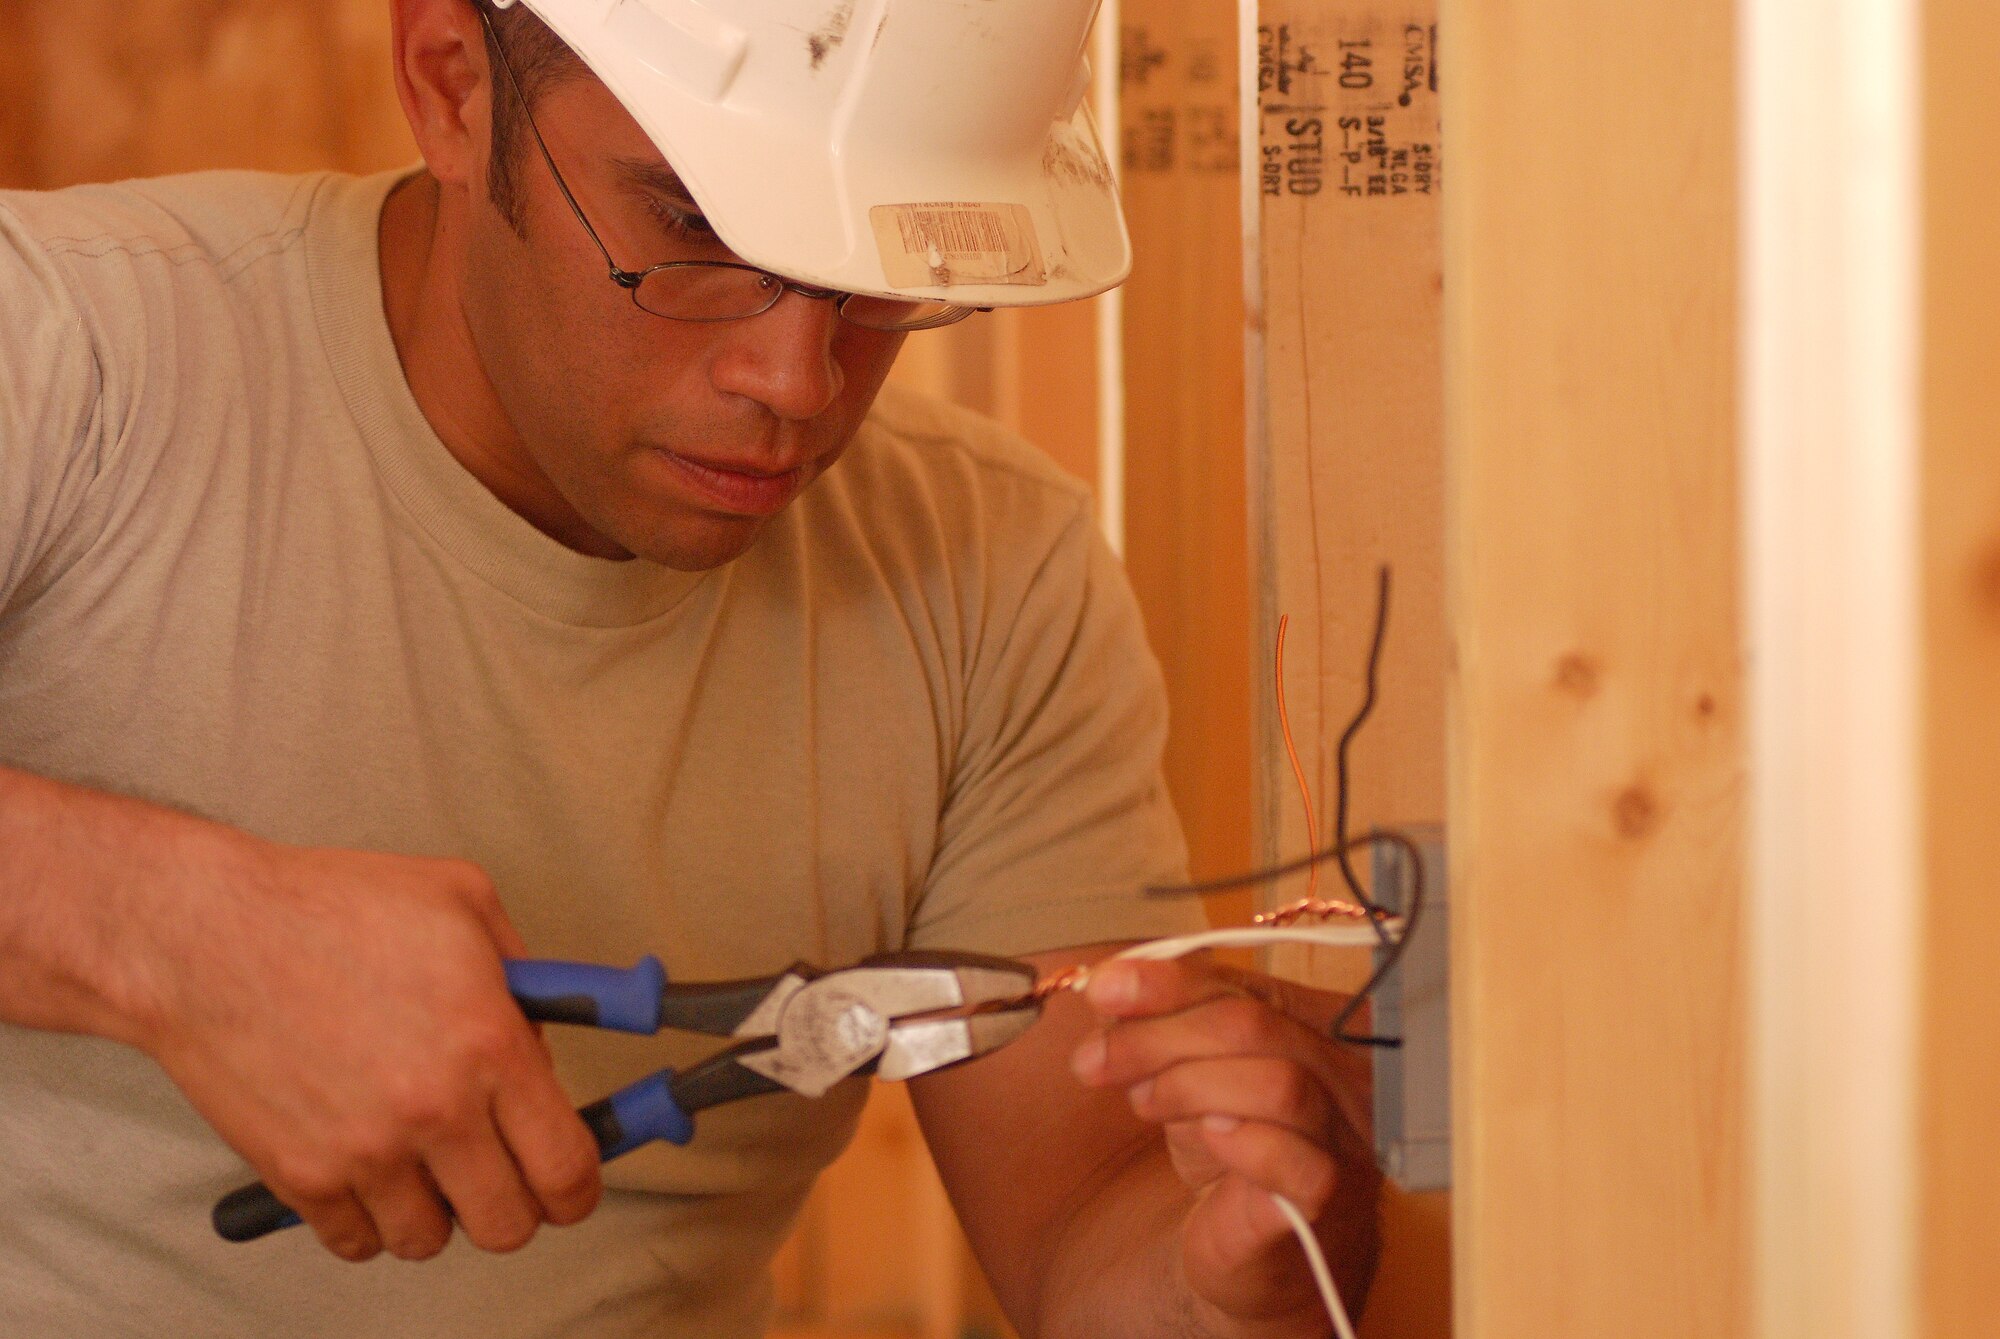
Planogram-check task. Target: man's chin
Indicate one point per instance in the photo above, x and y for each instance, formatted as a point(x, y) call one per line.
point(713, 542)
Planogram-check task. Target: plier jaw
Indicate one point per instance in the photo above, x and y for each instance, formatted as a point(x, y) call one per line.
point(898, 1015)
point(919, 1046)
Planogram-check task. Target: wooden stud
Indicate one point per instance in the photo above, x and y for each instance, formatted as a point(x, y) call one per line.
point(1959, 1211)
point(1597, 771)
point(19, 106)
point(1186, 542)
point(1347, 473)
point(136, 89)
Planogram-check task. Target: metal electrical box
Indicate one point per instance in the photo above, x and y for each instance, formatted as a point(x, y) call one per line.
point(1413, 1081)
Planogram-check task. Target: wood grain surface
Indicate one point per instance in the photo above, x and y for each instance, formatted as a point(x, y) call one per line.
point(1347, 476)
point(101, 89)
point(1959, 1216)
point(1597, 772)
point(1187, 544)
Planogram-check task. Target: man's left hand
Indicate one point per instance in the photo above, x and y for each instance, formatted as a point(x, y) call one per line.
point(1255, 1100)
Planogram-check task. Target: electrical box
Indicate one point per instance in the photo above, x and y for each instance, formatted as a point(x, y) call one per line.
point(1413, 1081)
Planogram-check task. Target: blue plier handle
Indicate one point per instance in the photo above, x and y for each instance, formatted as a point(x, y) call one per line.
point(765, 1059)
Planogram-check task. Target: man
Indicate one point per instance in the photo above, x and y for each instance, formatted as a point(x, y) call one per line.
point(385, 592)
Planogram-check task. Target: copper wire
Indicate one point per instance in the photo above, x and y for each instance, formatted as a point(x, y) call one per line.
point(1069, 978)
point(1292, 752)
point(1308, 909)
point(1393, 931)
point(1385, 924)
point(1311, 908)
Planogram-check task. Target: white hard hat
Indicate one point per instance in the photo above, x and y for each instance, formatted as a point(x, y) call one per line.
point(939, 149)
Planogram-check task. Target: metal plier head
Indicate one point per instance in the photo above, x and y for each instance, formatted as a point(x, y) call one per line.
point(897, 1014)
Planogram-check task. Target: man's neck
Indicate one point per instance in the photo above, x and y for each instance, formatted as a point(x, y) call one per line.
point(442, 365)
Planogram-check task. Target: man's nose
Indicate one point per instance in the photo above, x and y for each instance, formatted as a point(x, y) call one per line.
point(783, 358)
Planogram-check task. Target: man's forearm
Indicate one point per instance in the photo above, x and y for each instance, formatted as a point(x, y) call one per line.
point(1118, 1269)
point(338, 1017)
point(80, 877)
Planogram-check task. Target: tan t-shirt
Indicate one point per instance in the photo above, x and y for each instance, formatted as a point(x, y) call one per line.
point(239, 574)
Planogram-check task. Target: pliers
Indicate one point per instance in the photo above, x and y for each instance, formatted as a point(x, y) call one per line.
point(803, 1030)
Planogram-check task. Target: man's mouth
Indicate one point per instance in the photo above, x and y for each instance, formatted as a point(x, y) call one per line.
point(744, 492)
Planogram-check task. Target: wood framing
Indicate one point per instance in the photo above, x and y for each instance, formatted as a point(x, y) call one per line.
point(1959, 1178)
point(1185, 532)
point(132, 89)
point(1343, 198)
point(17, 78)
point(1348, 462)
point(1597, 778)
point(1830, 444)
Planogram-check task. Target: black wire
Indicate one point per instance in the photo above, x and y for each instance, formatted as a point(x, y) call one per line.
point(1387, 961)
point(1341, 772)
point(1392, 950)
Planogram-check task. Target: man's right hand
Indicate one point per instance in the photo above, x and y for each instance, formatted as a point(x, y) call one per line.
point(342, 1019)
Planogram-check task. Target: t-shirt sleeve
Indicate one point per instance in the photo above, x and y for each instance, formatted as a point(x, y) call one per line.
point(1057, 814)
point(50, 406)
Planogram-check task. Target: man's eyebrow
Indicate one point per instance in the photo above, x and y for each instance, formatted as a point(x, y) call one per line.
point(656, 177)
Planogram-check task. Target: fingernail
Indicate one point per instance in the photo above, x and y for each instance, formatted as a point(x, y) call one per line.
point(1088, 1062)
point(1220, 1124)
point(1142, 1093)
point(1114, 985)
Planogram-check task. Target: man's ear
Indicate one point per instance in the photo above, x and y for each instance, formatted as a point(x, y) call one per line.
point(445, 85)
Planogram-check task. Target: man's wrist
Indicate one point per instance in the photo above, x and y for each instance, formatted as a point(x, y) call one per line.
point(1121, 1261)
point(176, 859)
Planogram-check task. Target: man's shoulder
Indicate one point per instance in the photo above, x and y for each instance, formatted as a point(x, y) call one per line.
point(936, 502)
point(919, 439)
point(225, 220)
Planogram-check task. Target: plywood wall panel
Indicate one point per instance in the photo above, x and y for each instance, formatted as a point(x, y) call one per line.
point(1959, 1220)
point(1597, 767)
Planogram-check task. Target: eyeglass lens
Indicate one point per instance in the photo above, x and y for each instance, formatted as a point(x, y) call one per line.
point(727, 292)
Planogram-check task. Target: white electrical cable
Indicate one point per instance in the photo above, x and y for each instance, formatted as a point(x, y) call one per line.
point(1315, 1257)
point(1263, 936)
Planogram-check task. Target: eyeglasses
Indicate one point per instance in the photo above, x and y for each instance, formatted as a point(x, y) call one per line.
point(727, 290)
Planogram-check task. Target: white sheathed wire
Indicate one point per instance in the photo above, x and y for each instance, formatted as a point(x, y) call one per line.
point(1263, 936)
point(1260, 936)
point(1322, 1275)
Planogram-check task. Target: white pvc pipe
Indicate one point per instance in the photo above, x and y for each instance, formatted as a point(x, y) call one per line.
point(1830, 431)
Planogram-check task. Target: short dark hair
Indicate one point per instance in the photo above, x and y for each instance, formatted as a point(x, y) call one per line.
point(540, 60)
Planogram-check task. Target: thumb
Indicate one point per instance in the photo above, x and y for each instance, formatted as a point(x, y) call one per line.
point(476, 891)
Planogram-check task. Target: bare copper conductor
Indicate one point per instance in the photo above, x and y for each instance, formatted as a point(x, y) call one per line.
point(1069, 978)
point(1311, 909)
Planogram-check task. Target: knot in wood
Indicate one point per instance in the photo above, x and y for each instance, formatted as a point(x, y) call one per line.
point(1577, 674)
point(1636, 812)
point(1986, 582)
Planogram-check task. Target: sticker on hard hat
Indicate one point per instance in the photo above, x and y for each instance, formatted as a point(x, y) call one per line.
point(942, 245)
